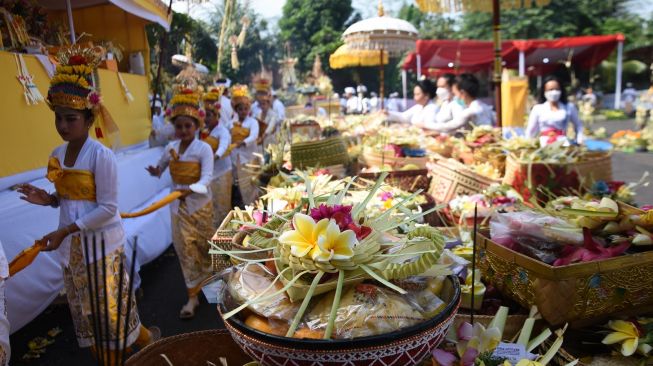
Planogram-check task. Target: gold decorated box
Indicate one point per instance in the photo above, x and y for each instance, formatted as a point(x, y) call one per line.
point(580, 294)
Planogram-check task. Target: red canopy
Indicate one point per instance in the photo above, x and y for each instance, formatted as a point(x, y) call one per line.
point(541, 56)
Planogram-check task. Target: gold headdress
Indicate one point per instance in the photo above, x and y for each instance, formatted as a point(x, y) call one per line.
point(262, 85)
point(73, 85)
point(186, 102)
point(211, 99)
point(240, 95)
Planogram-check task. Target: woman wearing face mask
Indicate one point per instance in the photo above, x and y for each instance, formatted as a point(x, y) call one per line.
point(191, 168)
point(449, 109)
point(422, 114)
point(475, 112)
point(550, 118)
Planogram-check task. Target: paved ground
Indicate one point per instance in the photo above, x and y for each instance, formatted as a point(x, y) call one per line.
point(164, 293)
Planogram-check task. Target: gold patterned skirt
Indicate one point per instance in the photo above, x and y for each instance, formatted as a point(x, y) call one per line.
point(77, 290)
point(190, 236)
point(221, 190)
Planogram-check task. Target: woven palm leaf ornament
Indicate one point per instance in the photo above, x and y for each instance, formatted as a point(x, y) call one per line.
point(32, 94)
point(331, 238)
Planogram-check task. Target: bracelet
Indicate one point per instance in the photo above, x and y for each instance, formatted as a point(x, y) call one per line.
point(54, 201)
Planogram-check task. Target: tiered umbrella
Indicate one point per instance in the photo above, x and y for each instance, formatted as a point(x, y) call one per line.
point(345, 57)
point(385, 34)
point(495, 6)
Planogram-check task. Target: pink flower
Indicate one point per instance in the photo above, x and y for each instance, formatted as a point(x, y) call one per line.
point(591, 251)
point(341, 214)
point(201, 113)
point(386, 196)
point(168, 112)
point(94, 98)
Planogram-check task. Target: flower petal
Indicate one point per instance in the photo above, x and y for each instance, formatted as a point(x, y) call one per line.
point(444, 358)
point(305, 225)
point(465, 331)
point(615, 337)
point(624, 327)
point(629, 347)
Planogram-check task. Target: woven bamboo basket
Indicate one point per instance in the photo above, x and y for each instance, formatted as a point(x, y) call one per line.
point(581, 294)
point(451, 179)
point(223, 238)
point(375, 159)
point(192, 349)
point(407, 180)
point(321, 153)
point(557, 177)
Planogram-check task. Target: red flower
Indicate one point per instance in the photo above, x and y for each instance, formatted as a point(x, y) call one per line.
point(94, 98)
point(201, 113)
point(187, 91)
point(615, 185)
point(361, 231)
point(341, 214)
point(77, 60)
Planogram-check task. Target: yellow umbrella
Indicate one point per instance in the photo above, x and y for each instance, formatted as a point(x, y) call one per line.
point(345, 56)
point(494, 6)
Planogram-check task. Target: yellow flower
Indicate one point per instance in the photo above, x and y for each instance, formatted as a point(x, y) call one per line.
point(333, 244)
point(304, 238)
point(527, 362)
point(625, 333)
point(387, 204)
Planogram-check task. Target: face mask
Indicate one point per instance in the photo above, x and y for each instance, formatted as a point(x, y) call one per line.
point(442, 93)
point(552, 95)
point(459, 101)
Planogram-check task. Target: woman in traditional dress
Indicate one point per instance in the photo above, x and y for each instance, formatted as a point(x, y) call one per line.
point(423, 112)
point(244, 133)
point(549, 119)
point(191, 168)
point(218, 137)
point(85, 176)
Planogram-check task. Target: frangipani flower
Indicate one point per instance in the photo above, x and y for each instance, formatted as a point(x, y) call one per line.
point(625, 333)
point(304, 238)
point(323, 239)
point(333, 244)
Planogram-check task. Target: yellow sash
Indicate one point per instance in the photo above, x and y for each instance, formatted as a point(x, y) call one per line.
point(238, 134)
point(214, 142)
point(71, 184)
point(184, 172)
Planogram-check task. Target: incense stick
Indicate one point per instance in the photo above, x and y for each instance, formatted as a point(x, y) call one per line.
point(94, 318)
point(474, 261)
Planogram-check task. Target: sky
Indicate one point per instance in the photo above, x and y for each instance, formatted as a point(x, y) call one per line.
point(272, 9)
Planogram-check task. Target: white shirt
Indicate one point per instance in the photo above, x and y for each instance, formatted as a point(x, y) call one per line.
point(279, 108)
point(476, 113)
point(448, 111)
point(374, 104)
point(101, 216)
point(393, 105)
point(198, 151)
point(542, 117)
point(222, 164)
point(424, 114)
point(353, 105)
point(4, 322)
point(629, 95)
point(226, 110)
point(245, 154)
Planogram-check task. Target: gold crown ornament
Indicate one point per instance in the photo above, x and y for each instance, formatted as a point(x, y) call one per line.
point(240, 95)
point(262, 85)
point(74, 82)
point(186, 102)
point(211, 99)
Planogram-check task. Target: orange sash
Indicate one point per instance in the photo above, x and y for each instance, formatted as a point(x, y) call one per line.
point(71, 184)
point(184, 172)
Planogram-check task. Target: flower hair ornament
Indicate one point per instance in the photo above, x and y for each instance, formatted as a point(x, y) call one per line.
point(75, 85)
point(240, 94)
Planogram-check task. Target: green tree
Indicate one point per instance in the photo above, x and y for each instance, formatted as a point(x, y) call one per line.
point(313, 27)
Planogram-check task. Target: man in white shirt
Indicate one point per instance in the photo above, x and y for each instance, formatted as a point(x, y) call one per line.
point(629, 97)
point(375, 102)
point(393, 103)
point(364, 103)
point(352, 106)
point(162, 131)
point(226, 110)
point(277, 106)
